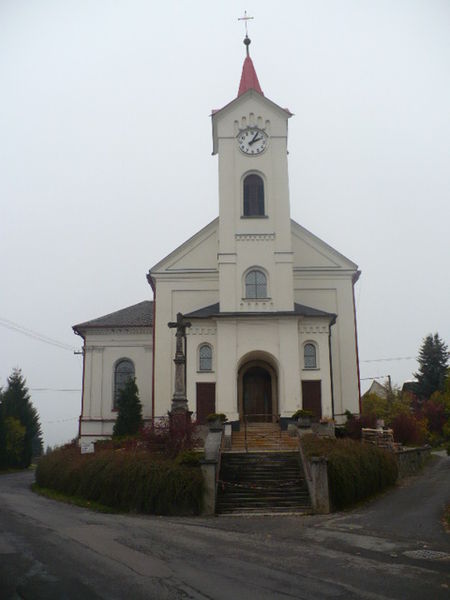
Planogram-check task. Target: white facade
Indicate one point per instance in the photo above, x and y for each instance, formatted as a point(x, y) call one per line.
point(258, 335)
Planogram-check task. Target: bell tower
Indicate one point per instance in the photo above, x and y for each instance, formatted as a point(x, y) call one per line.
point(255, 253)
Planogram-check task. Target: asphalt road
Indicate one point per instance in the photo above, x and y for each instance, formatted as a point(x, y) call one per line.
point(55, 551)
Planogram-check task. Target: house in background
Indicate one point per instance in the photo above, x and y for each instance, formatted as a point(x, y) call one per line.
point(378, 389)
point(271, 306)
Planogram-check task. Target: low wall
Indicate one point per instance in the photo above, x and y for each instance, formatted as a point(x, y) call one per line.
point(316, 476)
point(411, 460)
point(210, 468)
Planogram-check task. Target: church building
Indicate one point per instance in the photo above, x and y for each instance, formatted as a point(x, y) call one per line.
point(271, 306)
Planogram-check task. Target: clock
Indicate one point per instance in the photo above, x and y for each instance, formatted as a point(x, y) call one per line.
point(252, 141)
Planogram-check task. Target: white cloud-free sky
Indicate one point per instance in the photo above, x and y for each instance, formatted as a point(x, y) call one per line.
point(106, 166)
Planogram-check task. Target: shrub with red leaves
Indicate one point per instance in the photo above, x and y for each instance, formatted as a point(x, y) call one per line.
point(169, 437)
point(355, 424)
point(435, 414)
point(409, 430)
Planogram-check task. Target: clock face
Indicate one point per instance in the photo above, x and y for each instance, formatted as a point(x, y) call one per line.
point(252, 141)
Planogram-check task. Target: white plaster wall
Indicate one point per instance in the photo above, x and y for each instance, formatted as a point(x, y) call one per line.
point(185, 293)
point(333, 293)
point(253, 242)
point(201, 332)
point(279, 342)
point(317, 331)
point(103, 348)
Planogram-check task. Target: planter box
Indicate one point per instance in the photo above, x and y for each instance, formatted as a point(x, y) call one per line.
point(217, 425)
point(323, 429)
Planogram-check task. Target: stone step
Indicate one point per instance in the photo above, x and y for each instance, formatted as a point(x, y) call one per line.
point(258, 482)
point(266, 510)
point(251, 498)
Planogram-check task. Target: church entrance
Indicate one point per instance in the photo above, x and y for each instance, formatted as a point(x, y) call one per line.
point(257, 392)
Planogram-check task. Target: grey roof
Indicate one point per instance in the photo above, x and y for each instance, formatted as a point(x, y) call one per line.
point(138, 315)
point(213, 310)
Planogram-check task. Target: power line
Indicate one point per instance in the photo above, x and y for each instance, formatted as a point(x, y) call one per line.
point(35, 335)
point(59, 421)
point(370, 360)
point(54, 390)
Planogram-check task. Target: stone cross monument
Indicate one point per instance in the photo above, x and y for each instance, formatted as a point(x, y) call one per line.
point(179, 400)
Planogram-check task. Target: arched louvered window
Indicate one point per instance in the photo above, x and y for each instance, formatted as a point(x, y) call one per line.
point(253, 196)
point(124, 371)
point(255, 284)
point(205, 358)
point(310, 356)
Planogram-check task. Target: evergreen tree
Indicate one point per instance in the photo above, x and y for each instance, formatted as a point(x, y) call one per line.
point(16, 403)
point(433, 363)
point(129, 416)
point(3, 459)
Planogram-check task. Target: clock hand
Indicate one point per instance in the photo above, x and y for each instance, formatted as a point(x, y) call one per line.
point(254, 140)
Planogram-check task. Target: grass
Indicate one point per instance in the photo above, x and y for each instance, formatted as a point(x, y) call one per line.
point(74, 500)
point(9, 471)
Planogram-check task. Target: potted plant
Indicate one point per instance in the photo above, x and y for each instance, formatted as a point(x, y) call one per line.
point(216, 420)
point(303, 417)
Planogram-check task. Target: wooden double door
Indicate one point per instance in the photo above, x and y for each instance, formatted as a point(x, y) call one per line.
point(312, 398)
point(257, 395)
point(257, 392)
point(206, 401)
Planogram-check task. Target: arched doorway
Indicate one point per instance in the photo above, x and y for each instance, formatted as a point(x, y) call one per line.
point(257, 392)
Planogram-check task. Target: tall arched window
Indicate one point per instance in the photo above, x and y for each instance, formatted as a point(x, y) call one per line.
point(123, 372)
point(253, 196)
point(255, 284)
point(310, 356)
point(205, 358)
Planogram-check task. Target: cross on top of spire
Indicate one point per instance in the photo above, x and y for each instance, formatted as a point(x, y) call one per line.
point(245, 18)
point(247, 40)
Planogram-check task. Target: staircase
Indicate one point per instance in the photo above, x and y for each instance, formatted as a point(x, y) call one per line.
point(261, 482)
point(262, 436)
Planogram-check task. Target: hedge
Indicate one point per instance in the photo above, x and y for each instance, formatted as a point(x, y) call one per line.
point(355, 470)
point(129, 481)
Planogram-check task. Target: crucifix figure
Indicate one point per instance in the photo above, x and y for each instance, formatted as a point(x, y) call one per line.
point(179, 400)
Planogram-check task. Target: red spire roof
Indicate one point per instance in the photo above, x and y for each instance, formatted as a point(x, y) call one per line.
point(249, 78)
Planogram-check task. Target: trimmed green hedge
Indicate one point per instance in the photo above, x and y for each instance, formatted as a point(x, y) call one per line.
point(355, 470)
point(128, 481)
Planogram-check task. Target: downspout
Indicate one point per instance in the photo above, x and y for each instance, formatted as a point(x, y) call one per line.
point(330, 354)
point(354, 280)
point(152, 283)
point(82, 380)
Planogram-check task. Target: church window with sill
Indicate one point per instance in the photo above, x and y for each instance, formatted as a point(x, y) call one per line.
point(253, 196)
point(123, 372)
point(205, 358)
point(310, 356)
point(255, 284)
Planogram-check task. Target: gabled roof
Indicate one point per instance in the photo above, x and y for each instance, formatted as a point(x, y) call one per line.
point(137, 315)
point(377, 389)
point(300, 310)
point(319, 252)
point(195, 241)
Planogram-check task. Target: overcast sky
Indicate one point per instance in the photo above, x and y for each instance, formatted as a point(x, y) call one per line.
point(106, 166)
